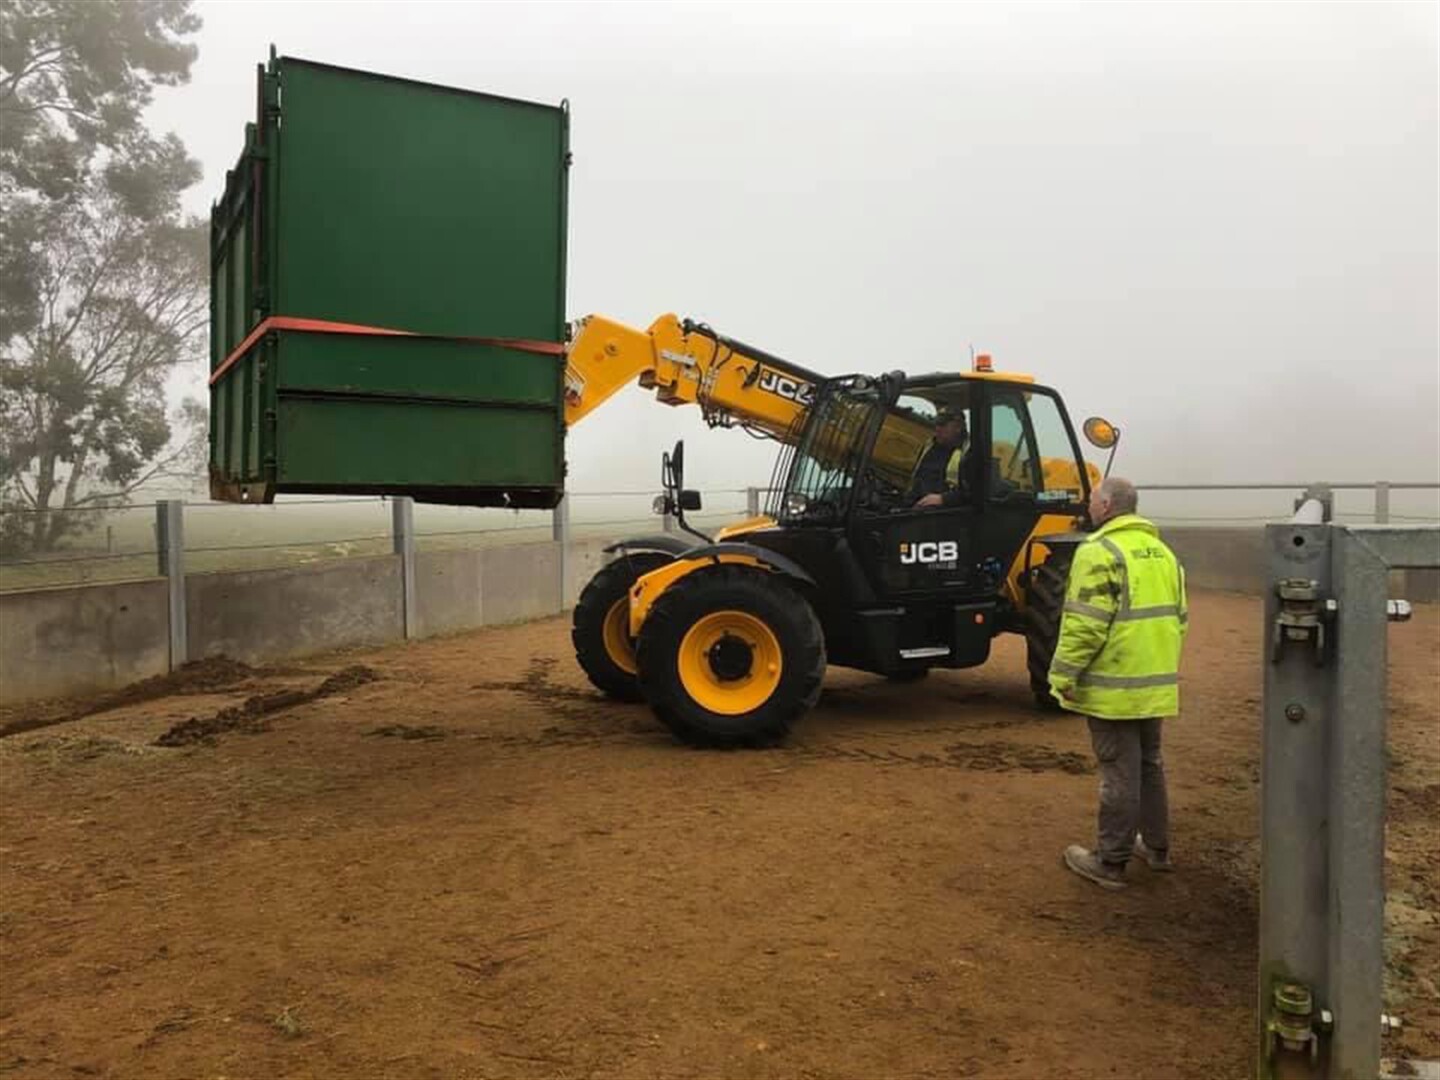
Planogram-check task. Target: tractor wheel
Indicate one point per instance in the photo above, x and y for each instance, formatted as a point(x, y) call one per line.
point(1042, 623)
point(600, 626)
point(731, 656)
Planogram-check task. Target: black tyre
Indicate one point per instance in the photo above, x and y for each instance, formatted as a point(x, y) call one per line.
point(1046, 603)
point(731, 656)
point(600, 628)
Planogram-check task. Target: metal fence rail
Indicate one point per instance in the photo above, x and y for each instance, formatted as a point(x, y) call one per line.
point(122, 543)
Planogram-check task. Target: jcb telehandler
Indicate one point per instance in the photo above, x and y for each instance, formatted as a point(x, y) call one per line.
point(727, 638)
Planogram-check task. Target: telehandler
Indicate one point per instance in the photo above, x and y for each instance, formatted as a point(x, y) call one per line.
point(727, 637)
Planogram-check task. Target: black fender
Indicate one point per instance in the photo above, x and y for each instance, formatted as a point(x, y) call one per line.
point(773, 559)
point(665, 543)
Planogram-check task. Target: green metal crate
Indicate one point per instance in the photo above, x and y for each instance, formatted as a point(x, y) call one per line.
point(370, 200)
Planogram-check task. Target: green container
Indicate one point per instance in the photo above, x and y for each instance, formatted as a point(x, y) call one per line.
point(381, 202)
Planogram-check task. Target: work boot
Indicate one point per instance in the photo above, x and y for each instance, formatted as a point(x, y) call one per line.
point(1159, 861)
point(1090, 866)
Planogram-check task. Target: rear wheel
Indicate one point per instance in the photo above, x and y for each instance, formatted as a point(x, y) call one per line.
point(1046, 603)
point(731, 656)
point(600, 626)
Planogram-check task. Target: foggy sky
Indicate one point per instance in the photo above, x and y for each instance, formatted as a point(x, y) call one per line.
point(1215, 224)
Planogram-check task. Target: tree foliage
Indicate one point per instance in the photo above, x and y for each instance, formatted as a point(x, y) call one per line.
point(102, 279)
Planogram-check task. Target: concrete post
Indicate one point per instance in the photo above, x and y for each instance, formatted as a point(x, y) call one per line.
point(170, 550)
point(403, 533)
point(560, 531)
point(1382, 503)
point(752, 502)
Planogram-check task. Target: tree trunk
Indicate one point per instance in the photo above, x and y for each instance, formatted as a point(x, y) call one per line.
point(44, 489)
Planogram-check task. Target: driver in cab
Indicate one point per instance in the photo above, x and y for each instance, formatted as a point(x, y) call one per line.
point(938, 479)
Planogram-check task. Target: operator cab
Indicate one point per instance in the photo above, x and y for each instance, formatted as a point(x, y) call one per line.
point(921, 495)
point(880, 446)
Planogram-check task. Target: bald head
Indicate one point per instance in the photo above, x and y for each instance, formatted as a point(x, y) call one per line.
point(1111, 499)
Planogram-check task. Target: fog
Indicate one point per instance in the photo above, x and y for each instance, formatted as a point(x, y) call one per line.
point(1214, 224)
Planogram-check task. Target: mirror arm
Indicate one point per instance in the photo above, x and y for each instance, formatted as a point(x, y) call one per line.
point(1111, 459)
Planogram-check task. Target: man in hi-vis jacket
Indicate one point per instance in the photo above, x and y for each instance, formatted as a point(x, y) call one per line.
point(1117, 662)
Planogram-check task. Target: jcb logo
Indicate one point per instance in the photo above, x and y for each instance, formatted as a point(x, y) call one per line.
point(936, 551)
point(789, 389)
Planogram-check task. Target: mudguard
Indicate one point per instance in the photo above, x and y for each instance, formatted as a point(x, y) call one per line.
point(649, 587)
point(666, 543)
point(773, 559)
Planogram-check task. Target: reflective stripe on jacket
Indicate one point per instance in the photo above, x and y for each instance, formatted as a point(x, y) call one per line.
point(1118, 656)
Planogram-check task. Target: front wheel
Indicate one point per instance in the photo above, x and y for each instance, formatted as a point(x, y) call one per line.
point(1043, 611)
point(731, 656)
point(600, 626)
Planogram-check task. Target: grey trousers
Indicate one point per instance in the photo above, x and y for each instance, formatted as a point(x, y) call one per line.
point(1132, 787)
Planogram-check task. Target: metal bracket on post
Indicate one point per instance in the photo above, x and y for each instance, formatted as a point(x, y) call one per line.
point(170, 536)
point(1294, 1024)
point(1303, 616)
point(403, 531)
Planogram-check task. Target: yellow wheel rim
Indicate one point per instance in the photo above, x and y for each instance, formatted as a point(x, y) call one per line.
point(616, 633)
point(730, 662)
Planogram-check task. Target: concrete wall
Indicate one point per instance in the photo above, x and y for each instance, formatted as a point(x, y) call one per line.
point(458, 590)
point(55, 642)
point(1230, 559)
point(1418, 586)
point(1234, 559)
point(447, 589)
point(582, 561)
point(521, 582)
point(265, 614)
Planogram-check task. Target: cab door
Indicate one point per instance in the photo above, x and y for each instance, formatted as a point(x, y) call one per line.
point(910, 553)
point(1033, 471)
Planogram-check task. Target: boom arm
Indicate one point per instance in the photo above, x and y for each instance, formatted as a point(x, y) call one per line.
point(686, 364)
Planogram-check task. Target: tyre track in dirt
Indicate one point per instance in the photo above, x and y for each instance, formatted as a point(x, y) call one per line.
point(635, 726)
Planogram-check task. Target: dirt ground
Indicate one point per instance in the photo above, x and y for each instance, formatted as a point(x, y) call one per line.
point(452, 859)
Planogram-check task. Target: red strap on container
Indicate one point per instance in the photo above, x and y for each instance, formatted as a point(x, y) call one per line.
point(325, 326)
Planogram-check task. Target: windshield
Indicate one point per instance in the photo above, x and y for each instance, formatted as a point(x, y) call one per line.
point(821, 472)
point(1032, 449)
point(910, 429)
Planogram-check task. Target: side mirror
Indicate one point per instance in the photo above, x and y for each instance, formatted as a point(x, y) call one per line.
point(1101, 433)
point(677, 463)
point(689, 500)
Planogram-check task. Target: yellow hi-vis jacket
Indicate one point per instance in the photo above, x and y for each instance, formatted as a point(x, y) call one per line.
point(1118, 657)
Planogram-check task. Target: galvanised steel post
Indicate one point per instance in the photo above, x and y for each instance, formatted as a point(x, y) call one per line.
point(1323, 787)
point(1294, 837)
